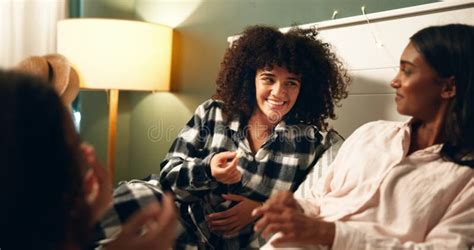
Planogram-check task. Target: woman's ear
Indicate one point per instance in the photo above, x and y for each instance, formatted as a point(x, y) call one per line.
point(449, 88)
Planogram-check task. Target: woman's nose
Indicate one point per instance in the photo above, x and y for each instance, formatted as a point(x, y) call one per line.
point(278, 89)
point(395, 83)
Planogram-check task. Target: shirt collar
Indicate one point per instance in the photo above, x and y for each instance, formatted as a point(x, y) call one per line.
point(288, 131)
point(280, 128)
point(406, 126)
point(235, 124)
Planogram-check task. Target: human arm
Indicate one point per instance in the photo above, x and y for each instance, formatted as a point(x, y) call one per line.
point(97, 185)
point(455, 230)
point(224, 167)
point(157, 222)
point(151, 228)
point(232, 220)
point(282, 213)
point(303, 148)
point(186, 169)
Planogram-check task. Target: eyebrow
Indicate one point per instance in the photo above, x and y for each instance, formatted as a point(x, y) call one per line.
point(289, 78)
point(406, 62)
point(267, 74)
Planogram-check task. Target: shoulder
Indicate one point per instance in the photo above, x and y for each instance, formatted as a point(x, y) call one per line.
point(210, 113)
point(380, 126)
point(304, 135)
point(209, 106)
point(304, 131)
point(376, 132)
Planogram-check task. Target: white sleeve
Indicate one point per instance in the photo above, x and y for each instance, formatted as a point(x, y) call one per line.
point(454, 231)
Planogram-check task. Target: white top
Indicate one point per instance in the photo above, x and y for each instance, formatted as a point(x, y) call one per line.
point(381, 198)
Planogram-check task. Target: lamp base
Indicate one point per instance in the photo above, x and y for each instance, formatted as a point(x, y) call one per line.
point(113, 108)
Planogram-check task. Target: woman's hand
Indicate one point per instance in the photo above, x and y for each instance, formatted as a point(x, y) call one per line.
point(284, 199)
point(224, 167)
point(232, 220)
point(97, 185)
point(281, 213)
point(149, 229)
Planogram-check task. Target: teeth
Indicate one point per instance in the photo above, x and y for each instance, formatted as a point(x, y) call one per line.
point(275, 102)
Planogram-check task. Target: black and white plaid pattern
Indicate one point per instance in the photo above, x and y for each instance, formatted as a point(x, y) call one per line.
point(128, 198)
point(282, 163)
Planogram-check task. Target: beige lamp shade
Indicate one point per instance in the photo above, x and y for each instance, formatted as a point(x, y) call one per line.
point(117, 54)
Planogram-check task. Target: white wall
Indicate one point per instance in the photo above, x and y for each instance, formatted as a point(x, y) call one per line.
point(371, 53)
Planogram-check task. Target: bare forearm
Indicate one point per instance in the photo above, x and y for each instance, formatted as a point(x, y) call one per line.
point(327, 233)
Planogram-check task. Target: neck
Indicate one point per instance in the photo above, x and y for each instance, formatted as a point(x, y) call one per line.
point(260, 120)
point(259, 128)
point(427, 132)
point(424, 135)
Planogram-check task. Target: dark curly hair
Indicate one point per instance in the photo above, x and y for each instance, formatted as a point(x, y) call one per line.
point(449, 50)
point(323, 78)
point(43, 202)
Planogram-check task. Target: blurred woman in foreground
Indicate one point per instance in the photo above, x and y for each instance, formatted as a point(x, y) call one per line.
point(53, 189)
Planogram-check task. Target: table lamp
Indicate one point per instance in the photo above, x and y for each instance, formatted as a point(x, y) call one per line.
point(113, 55)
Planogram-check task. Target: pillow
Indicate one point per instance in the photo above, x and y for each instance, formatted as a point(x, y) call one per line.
point(313, 182)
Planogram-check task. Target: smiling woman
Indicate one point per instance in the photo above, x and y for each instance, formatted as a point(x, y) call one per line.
point(274, 94)
point(413, 80)
point(259, 134)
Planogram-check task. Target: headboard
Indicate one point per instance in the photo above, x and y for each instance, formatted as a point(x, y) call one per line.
point(371, 45)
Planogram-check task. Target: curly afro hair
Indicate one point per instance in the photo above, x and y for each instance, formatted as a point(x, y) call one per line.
point(324, 80)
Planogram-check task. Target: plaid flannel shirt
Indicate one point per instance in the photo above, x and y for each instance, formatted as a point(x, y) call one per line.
point(128, 198)
point(282, 163)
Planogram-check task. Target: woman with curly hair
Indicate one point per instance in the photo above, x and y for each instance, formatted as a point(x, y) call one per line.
point(52, 187)
point(259, 134)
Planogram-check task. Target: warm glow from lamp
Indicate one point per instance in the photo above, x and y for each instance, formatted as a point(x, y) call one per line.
point(170, 13)
point(117, 55)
